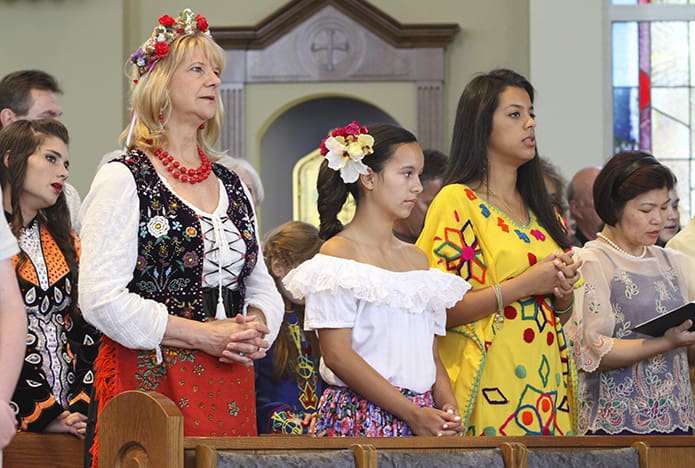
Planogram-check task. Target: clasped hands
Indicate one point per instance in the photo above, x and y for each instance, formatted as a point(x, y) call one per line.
point(557, 273)
point(238, 340)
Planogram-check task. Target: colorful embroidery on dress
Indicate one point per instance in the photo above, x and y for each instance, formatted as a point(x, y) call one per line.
point(57, 371)
point(539, 396)
point(462, 253)
point(169, 265)
point(535, 414)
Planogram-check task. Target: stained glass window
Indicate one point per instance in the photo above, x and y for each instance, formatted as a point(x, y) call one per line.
point(653, 84)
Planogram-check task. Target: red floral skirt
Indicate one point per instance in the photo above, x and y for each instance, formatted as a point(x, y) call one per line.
point(216, 399)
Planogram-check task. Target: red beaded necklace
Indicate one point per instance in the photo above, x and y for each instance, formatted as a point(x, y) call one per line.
point(180, 172)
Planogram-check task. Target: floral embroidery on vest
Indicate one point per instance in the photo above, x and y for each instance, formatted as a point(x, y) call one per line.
point(170, 243)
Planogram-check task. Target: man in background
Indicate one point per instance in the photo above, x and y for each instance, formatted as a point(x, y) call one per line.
point(408, 229)
point(580, 198)
point(32, 95)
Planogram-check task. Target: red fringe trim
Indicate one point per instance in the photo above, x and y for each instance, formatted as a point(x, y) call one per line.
point(104, 386)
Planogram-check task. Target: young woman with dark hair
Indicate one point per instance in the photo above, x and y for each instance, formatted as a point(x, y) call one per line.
point(54, 387)
point(493, 224)
point(372, 299)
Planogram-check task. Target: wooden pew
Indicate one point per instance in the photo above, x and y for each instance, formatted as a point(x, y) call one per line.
point(28, 449)
point(146, 430)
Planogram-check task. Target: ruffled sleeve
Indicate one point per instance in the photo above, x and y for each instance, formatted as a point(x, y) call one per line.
point(590, 329)
point(448, 289)
point(334, 288)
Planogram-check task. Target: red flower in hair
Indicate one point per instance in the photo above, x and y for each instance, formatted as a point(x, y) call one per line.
point(322, 147)
point(166, 20)
point(161, 49)
point(202, 23)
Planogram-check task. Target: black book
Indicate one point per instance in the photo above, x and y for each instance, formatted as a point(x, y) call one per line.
point(658, 325)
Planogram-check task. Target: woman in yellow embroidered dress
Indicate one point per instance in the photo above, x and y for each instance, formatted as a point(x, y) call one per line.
point(493, 224)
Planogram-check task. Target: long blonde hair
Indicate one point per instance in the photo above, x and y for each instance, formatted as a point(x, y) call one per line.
point(149, 96)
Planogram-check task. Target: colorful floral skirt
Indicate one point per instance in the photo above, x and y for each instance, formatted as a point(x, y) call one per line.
point(342, 412)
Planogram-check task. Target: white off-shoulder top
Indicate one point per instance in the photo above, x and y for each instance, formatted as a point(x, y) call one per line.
point(394, 316)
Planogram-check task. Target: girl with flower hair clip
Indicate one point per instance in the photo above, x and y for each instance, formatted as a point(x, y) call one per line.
point(372, 299)
point(172, 272)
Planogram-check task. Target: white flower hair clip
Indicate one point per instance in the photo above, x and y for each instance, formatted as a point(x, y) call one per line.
point(345, 147)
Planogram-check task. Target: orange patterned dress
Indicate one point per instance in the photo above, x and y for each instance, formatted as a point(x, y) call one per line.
point(57, 372)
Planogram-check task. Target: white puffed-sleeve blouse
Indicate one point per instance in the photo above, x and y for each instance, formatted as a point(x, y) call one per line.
point(394, 316)
point(109, 232)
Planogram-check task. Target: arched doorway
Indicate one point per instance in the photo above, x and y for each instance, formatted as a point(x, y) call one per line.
point(296, 133)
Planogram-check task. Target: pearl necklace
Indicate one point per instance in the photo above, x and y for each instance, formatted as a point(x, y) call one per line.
point(615, 246)
point(180, 172)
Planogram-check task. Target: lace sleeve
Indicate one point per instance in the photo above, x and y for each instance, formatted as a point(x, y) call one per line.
point(590, 329)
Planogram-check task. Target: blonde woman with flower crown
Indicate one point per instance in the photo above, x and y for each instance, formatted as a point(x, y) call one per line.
point(172, 272)
point(372, 298)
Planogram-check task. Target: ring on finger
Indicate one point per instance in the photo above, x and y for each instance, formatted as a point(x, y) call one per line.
point(241, 354)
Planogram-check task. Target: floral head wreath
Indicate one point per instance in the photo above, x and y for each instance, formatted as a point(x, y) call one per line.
point(344, 149)
point(168, 29)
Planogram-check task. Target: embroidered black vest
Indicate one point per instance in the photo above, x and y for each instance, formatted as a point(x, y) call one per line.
point(169, 267)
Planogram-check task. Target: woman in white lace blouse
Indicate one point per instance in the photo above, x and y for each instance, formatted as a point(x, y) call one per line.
point(632, 383)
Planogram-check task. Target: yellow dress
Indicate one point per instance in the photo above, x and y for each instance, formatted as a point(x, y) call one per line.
point(516, 378)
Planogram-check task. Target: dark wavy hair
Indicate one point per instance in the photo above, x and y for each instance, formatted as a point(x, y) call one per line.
point(333, 192)
point(468, 155)
point(18, 141)
point(625, 176)
point(291, 243)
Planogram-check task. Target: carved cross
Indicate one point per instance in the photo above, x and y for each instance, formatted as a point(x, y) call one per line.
point(331, 46)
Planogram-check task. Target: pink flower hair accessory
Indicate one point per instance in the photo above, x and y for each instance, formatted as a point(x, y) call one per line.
point(159, 43)
point(345, 147)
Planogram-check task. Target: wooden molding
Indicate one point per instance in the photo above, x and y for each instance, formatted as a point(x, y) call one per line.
point(289, 16)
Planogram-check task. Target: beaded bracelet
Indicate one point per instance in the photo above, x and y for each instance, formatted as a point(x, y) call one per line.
point(566, 309)
point(498, 296)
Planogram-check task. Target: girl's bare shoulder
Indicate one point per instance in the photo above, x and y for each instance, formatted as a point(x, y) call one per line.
point(339, 246)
